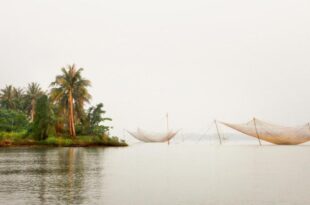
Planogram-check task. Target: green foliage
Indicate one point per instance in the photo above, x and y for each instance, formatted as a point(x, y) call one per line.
point(44, 119)
point(93, 122)
point(112, 141)
point(33, 92)
point(12, 135)
point(12, 98)
point(71, 79)
point(11, 120)
point(58, 141)
point(83, 141)
point(70, 92)
point(95, 115)
point(19, 99)
point(15, 139)
point(60, 111)
point(20, 139)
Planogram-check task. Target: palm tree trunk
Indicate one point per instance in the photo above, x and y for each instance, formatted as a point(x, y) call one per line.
point(32, 109)
point(71, 116)
point(73, 123)
point(69, 121)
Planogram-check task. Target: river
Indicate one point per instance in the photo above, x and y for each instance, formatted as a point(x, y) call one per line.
point(143, 174)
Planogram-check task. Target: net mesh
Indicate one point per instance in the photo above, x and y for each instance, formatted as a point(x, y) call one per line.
point(145, 136)
point(273, 133)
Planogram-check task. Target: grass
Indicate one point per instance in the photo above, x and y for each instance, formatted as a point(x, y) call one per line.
point(20, 139)
point(15, 138)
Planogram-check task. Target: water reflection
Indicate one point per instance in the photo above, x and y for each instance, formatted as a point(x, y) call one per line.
point(46, 176)
point(150, 174)
point(71, 161)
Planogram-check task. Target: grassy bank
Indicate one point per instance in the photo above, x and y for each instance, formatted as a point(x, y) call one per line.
point(8, 139)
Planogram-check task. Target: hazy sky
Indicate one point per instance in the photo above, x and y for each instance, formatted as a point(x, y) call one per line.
point(196, 59)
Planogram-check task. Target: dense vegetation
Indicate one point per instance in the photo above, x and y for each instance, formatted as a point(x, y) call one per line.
point(55, 117)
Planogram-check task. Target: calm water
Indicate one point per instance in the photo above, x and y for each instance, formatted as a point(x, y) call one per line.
point(184, 173)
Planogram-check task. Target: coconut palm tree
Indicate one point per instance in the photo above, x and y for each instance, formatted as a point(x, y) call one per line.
point(12, 98)
point(7, 97)
point(33, 92)
point(69, 90)
point(19, 99)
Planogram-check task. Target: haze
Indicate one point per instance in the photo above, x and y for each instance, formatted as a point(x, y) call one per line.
point(199, 60)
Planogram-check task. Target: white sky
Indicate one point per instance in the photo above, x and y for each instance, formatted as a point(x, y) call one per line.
point(196, 59)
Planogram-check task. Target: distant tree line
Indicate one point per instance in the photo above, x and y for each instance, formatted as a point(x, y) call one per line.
point(58, 111)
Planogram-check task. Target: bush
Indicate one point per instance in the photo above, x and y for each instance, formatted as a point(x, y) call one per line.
point(58, 141)
point(92, 122)
point(15, 138)
point(12, 121)
point(12, 135)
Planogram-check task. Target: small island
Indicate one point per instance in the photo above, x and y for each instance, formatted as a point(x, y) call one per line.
point(57, 117)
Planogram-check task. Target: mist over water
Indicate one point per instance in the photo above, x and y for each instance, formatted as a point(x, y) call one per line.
point(181, 173)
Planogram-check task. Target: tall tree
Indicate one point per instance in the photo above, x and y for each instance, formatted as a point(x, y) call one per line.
point(7, 97)
point(19, 99)
point(44, 119)
point(33, 92)
point(70, 90)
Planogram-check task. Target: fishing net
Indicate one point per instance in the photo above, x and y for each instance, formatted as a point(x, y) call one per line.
point(145, 136)
point(273, 133)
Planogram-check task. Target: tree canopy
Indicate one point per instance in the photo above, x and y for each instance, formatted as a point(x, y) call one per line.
point(60, 110)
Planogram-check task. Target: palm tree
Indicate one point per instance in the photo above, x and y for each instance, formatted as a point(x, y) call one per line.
point(12, 98)
point(7, 97)
point(70, 91)
point(33, 92)
point(19, 99)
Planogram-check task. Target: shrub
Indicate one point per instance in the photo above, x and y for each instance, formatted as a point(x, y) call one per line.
point(12, 121)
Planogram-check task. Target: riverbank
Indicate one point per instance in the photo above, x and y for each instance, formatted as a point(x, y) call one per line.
point(19, 139)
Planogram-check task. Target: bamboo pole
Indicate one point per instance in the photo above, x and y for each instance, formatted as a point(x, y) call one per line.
point(260, 143)
point(218, 132)
point(167, 121)
point(309, 125)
